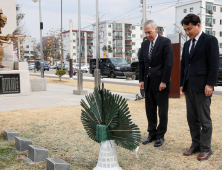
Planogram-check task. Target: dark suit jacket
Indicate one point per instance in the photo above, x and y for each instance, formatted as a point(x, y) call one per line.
point(202, 65)
point(160, 67)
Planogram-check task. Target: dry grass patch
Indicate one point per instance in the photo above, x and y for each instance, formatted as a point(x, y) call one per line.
point(60, 131)
point(87, 84)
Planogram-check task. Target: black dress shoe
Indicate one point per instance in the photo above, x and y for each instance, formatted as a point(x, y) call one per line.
point(148, 140)
point(159, 142)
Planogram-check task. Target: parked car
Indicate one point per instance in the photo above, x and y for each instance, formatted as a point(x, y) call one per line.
point(30, 67)
point(45, 65)
point(219, 77)
point(65, 67)
point(112, 66)
point(53, 66)
point(135, 68)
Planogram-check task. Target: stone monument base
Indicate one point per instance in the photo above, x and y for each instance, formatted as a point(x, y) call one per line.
point(23, 84)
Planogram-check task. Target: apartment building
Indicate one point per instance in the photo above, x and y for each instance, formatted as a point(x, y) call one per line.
point(28, 45)
point(210, 13)
point(124, 38)
point(86, 48)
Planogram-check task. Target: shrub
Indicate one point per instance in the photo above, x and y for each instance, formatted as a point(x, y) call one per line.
point(60, 73)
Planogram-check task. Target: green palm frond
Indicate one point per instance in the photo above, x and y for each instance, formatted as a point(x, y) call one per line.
point(105, 108)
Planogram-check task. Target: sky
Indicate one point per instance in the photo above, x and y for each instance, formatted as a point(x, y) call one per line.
point(162, 12)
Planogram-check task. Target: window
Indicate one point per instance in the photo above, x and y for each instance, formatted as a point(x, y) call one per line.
point(213, 33)
point(74, 40)
point(214, 8)
point(133, 27)
point(109, 26)
point(185, 11)
point(109, 42)
point(220, 34)
point(208, 31)
point(26, 52)
point(141, 36)
point(133, 51)
point(208, 21)
point(74, 53)
point(134, 35)
point(74, 47)
point(191, 9)
point(221, 22)
point(32, 52)
point(220, 45)
point(220, 9)
point(74, 34)
point(141, 28)
point(133, 43)
point(214, 21)
point(27, 46)
point(109, 34)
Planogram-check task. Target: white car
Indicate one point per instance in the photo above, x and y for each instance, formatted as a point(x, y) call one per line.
point(30, 67)
point(84, 68)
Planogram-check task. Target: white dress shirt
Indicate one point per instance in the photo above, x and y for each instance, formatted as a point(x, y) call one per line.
point(154, 41)
point(196, 38)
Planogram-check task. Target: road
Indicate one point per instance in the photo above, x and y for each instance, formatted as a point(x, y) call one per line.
point(52, 71)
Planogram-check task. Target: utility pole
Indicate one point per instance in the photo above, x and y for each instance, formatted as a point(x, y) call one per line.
point(97, 77)
point(144, 15)
point(79, 90)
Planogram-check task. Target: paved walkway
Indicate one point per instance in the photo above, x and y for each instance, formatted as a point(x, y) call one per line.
point(61, 95)
point(56, 95)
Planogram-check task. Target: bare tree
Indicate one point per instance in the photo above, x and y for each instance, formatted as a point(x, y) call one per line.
point(184, 36)
point(21, 28)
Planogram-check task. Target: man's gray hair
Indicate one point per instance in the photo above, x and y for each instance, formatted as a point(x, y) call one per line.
point(150, 22)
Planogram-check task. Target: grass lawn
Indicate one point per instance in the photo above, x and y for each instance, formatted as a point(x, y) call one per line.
point(60, 130)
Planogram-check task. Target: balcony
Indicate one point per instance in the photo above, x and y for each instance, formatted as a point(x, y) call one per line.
point(117, 54)
point(89, 56)
point(117, 45)
point(128, 38)
point(89, 43)
point(128, 30)
point(89, 36)
point(118, 37)
point(128, 54)
point(117, 29)
point(128, 46)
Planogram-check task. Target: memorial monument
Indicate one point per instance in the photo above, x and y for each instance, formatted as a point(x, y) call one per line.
point(14, 76)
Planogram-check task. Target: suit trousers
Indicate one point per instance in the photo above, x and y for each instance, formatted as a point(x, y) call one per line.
point(154, 99)
point(199, 120)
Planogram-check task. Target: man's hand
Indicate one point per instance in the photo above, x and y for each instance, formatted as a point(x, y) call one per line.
point(162, 86)
point(181, 89)
point(141, 85)
point(208, 90)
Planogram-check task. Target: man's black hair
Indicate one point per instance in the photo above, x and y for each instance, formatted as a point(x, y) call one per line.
point(191, 18)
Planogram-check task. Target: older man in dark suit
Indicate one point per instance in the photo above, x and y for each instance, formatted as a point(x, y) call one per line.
point(155, 66)
point(199, 68)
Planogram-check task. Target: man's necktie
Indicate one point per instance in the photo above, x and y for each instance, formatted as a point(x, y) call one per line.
point(193, 45)
point(151, 50)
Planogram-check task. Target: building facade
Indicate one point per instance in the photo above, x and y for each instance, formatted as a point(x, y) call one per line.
point(28, 45)
point(210, 13)
point(123, 38)
point(86, 45)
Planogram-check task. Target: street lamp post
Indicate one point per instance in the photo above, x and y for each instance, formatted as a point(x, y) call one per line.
point(61, 40)
point(41, 28)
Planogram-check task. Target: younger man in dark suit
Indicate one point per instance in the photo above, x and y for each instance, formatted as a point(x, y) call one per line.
point(199, 68)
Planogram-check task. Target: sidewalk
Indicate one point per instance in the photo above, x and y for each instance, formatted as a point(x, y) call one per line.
point(55, 96)
point(62, 95)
